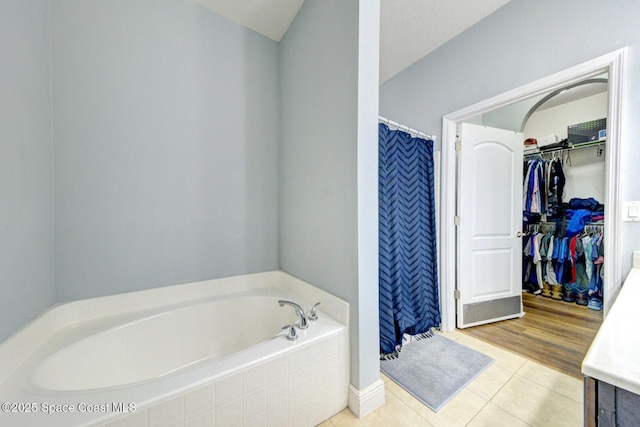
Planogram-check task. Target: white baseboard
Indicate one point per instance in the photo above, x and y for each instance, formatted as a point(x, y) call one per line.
point(363, 402)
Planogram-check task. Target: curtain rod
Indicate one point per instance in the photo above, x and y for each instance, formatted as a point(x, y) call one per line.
point(406, 128)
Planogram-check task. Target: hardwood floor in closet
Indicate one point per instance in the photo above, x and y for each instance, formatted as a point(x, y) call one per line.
point(554, 333)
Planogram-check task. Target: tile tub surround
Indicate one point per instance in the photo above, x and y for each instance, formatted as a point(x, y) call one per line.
point(247, 389)
point(302, 388)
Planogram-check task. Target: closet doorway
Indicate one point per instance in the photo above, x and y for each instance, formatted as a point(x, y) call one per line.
point(612, 65)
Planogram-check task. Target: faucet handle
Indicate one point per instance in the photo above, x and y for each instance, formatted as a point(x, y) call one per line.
point(292, 335)
point(312, 314)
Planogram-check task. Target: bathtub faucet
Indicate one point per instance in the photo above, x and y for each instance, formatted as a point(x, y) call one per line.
point(299, 312)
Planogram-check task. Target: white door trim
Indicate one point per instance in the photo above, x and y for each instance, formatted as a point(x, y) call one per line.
point(615, 63)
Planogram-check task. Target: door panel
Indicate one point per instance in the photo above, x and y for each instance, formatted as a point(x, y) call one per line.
point(493, 260)
point(490, 210)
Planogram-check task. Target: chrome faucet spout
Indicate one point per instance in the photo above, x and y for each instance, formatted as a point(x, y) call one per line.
point(299, 312)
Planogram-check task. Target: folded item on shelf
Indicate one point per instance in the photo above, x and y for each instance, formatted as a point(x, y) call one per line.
point(548, 140)
point(558, 145)
point(590, 204)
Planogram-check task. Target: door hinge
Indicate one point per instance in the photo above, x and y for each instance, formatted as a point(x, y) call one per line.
point(456, 220)
point(458, 145)
point(456, 294)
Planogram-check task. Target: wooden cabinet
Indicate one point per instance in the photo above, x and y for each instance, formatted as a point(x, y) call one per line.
point(606, 405)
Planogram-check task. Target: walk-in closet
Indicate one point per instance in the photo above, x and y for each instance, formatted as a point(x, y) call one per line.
point(563, 192)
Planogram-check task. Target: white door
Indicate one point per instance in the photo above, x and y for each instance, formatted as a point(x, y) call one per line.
point(489, 279)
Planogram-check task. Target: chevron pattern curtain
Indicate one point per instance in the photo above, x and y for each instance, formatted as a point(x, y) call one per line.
point(409, 301)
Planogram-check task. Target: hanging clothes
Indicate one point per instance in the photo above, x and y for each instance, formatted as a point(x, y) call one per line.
point(555, 187)
point(596, 286)
point(543, 187)
point(567, 264)
point(548, 272)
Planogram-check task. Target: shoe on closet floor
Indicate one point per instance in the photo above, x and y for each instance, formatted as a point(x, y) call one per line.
point(570, 291)
point(595, 303)
point(581, 296)
point(556, 292)
point(546, 290)
point(532, 288)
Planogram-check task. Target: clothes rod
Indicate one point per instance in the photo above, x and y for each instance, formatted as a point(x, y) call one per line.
point(406, 128)
point(570, 147)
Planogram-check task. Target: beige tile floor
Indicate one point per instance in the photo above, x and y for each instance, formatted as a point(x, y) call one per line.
point(512, 392)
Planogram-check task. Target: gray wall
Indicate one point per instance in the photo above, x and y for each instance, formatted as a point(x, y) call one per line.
point(166, 132)
point(319, 161)
point(166, 125)
point(26, 206)
point(521, 42)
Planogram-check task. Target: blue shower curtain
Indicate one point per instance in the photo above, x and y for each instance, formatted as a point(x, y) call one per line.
point(409, 301)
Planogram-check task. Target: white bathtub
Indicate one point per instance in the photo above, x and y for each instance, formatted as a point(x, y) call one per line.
point(208, 353)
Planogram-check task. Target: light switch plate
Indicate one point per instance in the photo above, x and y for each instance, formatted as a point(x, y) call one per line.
point(631, 211)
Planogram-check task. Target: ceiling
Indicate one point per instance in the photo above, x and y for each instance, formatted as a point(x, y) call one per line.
point(270, 18)
point(409, 29)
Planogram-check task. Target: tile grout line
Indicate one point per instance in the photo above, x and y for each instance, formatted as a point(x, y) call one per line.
point(410, 408)
point(513, 374)
point(521, 377)
point(479, 410)
point(549, 389)
point(543, 385)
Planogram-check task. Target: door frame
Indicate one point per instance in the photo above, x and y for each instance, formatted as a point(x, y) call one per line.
point(615, 64)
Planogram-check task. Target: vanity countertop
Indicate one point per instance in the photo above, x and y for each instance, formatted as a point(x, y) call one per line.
point(614, 355)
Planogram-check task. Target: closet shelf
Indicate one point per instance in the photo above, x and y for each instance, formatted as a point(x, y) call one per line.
point(567, 148)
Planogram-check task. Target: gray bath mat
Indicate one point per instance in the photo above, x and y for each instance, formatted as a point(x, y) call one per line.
point(435, 369)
